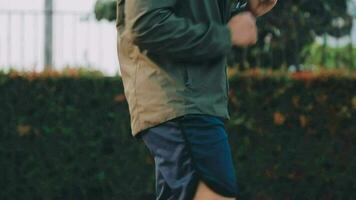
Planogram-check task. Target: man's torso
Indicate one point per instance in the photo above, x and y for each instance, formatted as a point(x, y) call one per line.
point(159, 89)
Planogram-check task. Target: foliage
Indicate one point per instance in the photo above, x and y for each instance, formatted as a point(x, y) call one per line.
point(69, 138)
point(294, 139)
point(292, 26)
point(329, 57)
point(65, 72)
point(105, 9)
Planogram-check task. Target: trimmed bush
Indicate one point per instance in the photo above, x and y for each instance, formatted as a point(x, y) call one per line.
point(63, 137)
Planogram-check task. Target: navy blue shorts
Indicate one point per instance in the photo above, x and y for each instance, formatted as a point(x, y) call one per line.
point(188, 149)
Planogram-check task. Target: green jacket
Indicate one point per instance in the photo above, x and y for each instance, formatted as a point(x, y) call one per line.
point(172, 56)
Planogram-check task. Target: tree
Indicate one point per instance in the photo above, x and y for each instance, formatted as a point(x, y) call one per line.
point(284, 33)
point(293, 25)
point(105, 9)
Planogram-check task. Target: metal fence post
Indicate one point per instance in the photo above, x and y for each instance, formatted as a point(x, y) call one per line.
point(48, 44)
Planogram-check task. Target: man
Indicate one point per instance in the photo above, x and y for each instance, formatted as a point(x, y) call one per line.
point(173, 63)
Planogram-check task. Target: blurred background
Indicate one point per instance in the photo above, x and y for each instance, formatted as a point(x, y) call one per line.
point(65, 125)
point(56, 34)
point(297, 35)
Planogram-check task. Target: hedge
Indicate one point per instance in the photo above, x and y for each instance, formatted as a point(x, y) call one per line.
point(68, 137)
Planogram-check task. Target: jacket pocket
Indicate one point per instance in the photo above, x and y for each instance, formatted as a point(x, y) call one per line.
point(227, 83)
point(186, 78)
point(194, 78)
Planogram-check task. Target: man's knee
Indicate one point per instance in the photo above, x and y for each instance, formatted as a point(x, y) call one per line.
point(205, 193)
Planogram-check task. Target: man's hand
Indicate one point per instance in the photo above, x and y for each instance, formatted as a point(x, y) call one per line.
point(243, 29)
point(261, 7)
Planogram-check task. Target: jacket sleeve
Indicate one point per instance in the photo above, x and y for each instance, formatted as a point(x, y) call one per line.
point(157, 29)
point(237, 7)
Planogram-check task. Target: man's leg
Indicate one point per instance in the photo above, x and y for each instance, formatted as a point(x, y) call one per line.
point(205, 193)
point(211, 156)
point(188, 150)
point(176, 178)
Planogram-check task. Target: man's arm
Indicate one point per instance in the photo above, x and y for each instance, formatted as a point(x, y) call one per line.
point(160, 31)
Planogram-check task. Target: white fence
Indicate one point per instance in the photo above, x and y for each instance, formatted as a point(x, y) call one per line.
point(79, 40)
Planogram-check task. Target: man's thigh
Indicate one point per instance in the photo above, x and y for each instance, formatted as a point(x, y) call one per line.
point(210, 152)
point(189, 149)
point(176, 178)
